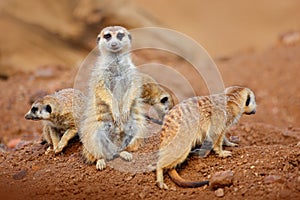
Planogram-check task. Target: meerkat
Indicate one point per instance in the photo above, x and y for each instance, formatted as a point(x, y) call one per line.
point(194, 120)
point(113, 117)
point(156, 96)
point(60, 113)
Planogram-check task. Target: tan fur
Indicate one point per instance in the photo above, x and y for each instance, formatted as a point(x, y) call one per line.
point(61, 124)
point(197, 119)
point(156, 96)
point(114, 117)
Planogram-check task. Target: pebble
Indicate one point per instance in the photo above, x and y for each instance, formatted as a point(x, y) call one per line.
point(20, 175)
point(221, 179)
point(272, 178)
point(219, 192)
point(13, 143)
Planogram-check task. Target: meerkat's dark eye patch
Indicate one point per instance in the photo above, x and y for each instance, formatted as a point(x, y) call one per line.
point(98, 39)
point(48, 108)
point(107, 36)
point(34, 109)
point(248, 100)
point(120, 36)
point(130, 37)
point(164, 100)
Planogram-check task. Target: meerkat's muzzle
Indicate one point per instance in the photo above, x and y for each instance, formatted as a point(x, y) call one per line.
point(252, 112)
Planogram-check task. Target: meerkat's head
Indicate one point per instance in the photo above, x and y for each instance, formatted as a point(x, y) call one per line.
point(164, 104)
point(245, 98)
point(114, 39)
point(41, 109)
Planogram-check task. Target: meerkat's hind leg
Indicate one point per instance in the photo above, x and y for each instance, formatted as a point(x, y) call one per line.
point(204, 150)
point(227, 143)
point(67, 136)
point(160, 179)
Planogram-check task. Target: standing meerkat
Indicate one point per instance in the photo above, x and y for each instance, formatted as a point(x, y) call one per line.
point(113, 118)
point(60, 113)
point(195, 119)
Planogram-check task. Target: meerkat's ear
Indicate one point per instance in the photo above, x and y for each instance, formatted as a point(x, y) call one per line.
point(248, 100)
point(129, 36)
point(48, 108)
point(98, 39)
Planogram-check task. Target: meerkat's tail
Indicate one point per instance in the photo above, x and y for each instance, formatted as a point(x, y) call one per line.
point(185, 183)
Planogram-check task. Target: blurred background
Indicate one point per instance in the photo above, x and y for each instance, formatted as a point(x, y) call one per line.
point(35, 33)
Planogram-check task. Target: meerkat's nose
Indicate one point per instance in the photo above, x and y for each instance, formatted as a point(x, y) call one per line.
point(114, 44)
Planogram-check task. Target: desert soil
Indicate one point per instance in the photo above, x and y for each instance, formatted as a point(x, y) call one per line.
point(265, 164)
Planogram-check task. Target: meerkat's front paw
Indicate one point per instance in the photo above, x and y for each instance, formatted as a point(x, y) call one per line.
point(100, 165)
point(224, 154)
point(126, 155)
point(49, 149)
point(162, 185)
point(60, 147)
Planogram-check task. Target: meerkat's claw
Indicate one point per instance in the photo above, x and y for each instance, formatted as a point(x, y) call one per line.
point(231, 144)
point(126, 155)
point(59, 147)
point(162, 185)
point(224, 154)
point(100, 165)
point(49, 149)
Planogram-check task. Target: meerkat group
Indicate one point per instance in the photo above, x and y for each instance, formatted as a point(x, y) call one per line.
point(111, 119)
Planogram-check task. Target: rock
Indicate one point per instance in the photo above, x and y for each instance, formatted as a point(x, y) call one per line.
point(219, 192)
point(272, 179)
point(13, 143)
point(20, 175)
point(221, 179)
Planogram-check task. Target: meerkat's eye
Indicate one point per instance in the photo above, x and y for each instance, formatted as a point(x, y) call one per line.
point(98, 39)
point(107, 36)
point(48, 108)
point(120, 36)
point(164, 100)
point(248, 100)
point(34, 109)
point(129, 36)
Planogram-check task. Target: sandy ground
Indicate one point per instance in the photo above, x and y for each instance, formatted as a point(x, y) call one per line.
point(269, 140)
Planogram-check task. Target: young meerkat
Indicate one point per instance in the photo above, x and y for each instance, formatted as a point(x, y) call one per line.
point(60, 114)
point(195, 119)
point(113, 117)
point(156, 96)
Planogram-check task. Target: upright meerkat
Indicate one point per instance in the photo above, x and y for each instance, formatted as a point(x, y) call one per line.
point(113, 117)
point(60, 113)
point(195, 119)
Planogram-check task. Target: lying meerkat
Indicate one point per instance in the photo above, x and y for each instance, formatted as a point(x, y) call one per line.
point(60, 114)
point(194, 120)
point(114, 115)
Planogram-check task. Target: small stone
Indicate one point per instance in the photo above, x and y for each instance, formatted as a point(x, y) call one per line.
point(221, 179)
point(247, 129)
point(272, 178)
point(234, 139)
point(20, 175)
point(252, 167)
point(128, 178)
point(219, 192)
point(13, 143)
